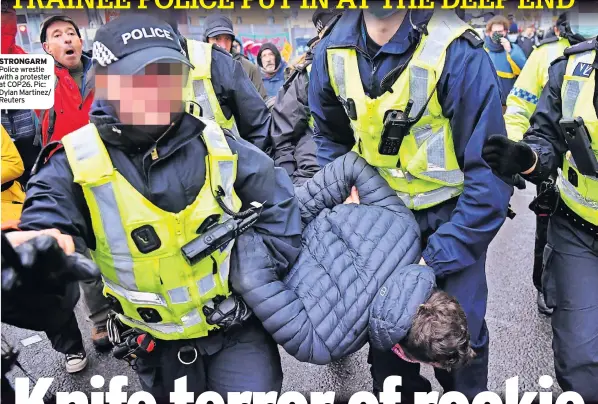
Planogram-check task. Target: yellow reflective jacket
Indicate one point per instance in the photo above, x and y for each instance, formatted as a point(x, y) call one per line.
point(13, 195)
point(523, 98)
point(138, 245)
point(578, 191)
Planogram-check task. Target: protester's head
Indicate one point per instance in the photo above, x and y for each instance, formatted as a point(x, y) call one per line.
point(268, 58)
point(60, 37)
point(140, 70)
point(219, 31)
point(323, 19)
point(438, 334)
point(530, 31)
point(497, 28)
point(237, 46)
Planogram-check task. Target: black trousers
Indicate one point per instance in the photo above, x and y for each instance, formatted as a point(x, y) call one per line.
point(540, 244)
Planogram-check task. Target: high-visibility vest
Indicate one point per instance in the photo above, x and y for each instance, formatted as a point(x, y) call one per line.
point(578, 191)
point(161, 279)
point(425, 172)
point(523, 98)
point(199, 87)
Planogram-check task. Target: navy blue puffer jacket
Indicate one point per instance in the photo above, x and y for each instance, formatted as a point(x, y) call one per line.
point(355, 279)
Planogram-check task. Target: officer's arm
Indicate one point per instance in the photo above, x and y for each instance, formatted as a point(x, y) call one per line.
point(545, 136)
point(523, 99)
point(248, 107)
point(279, 225)
point(470, 97)
point(55, 201)
point(333, 134)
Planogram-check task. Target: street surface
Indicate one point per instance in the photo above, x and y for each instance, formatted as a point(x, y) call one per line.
point(520, 337)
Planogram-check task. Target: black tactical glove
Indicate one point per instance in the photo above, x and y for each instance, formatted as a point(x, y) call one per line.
point(227, 313)
point(507, 157)
point(41, 265)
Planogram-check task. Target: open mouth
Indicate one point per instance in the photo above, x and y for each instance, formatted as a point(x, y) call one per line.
point(70, 52)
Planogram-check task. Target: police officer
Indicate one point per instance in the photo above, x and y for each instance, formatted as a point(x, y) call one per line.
point(432, 61)
point(552, 144)
point(521, 104)
point(145, 179)
point(220, 85)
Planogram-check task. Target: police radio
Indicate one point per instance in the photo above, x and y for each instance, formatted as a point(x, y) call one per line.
point(396, 126)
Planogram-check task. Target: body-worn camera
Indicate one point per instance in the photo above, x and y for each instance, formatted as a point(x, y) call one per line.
point(217, 237)
point(396, 126)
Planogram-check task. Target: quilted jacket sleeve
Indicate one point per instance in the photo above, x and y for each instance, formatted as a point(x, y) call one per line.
point(320, 310)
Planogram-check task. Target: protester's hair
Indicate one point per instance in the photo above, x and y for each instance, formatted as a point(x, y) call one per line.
point(498, 19)
point(439, 333)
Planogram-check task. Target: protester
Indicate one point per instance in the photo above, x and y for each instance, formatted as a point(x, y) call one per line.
point(386, 285)
point(570, 278)
point(508, 58)
point(272, 67)
point(13, 195)
point(512, 26)
point(442, 178)
point(21, 124)
point(73, 95)
point(528, 40)
point(293, 147)
point(219, 31)
point(160, 177)
point(521, 104)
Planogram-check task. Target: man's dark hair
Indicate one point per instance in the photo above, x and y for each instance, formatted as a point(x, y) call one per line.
point(439, 333)
point(51, 20)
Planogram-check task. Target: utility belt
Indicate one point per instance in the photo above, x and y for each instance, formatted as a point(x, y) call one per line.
point(227, 313)
point(549, 203)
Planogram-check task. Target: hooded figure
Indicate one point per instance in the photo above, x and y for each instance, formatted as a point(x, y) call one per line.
point(272, 67)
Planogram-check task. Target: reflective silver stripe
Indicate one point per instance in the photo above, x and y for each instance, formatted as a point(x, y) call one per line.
point(455, 177)
point(201, 97)
point(225, 266)
point(179, 295)
point(418, 89)
point(436, 43)
point(213, 134)
point(435, 150)
point(206, 284)
point(422, 133)
point(572, 91)
point(83, 146)
point(338, 72)
point(191, 319)
point(168, 328)
point(135, 297)
point(226, 169)
point(570, 190)
point(429, 198)
point(515, 110)
point(115, 235)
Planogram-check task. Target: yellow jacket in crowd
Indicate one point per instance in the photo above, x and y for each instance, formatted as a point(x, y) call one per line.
point(13, 195)
point(523, 98)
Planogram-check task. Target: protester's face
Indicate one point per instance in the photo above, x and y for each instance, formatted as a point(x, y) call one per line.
point(237, 47)
point(152, 97)
point(398, 350)
point(268, 60)
point(63, 43)
point(224, 41)
point(496, 32)
point(530, 31)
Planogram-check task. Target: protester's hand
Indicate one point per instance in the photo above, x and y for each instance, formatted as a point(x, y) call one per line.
point(506, 44)
point(508, 157)
point(16, 238)
point(353, 198)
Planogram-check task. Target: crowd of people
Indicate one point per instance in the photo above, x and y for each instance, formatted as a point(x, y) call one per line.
point(224, 202)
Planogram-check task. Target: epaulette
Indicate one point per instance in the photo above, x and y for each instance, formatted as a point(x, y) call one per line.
point(473, 38)
point(581, 47)
point(559, 59)
point(42, 157)
point(552, 39)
